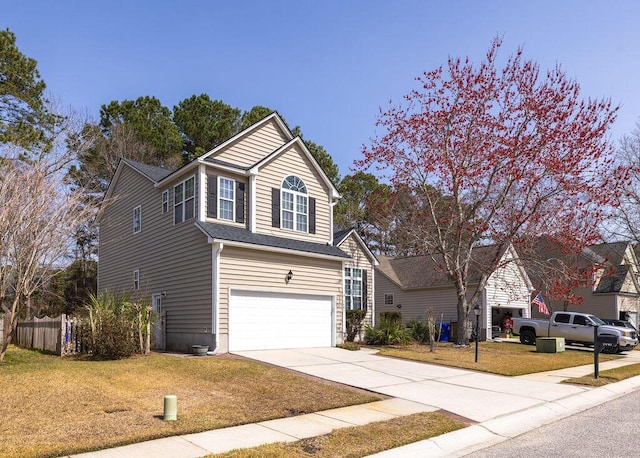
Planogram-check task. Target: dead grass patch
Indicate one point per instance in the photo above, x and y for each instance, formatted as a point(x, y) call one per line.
point(358, 441)
point(607, 376)
point(504, 358)
point(55, 406)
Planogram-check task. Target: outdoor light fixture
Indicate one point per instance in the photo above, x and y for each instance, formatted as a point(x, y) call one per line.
point(288, 277)
point(477, 310)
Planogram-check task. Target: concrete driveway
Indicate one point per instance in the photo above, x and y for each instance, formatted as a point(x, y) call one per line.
point(473, 395)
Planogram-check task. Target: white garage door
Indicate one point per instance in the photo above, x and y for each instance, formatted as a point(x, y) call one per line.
point(265, 321)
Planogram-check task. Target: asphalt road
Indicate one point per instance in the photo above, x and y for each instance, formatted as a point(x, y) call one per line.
point(608, 430)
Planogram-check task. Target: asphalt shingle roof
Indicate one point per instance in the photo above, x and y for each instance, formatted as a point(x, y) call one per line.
point(239, 234)
point(153, 172)
point(415, 272)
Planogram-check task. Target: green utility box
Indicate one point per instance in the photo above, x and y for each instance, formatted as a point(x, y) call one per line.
point(549, 344)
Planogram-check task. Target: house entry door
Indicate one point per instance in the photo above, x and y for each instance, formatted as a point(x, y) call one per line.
point(159, 322)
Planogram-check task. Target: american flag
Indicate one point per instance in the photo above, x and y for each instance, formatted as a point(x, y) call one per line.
point(539, 301)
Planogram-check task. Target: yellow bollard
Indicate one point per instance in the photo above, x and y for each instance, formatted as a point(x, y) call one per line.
point(170, 408)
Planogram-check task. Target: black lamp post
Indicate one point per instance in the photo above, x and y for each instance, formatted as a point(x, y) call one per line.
point(477, 310)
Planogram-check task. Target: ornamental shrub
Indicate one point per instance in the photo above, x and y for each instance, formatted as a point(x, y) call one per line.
point(354, 323)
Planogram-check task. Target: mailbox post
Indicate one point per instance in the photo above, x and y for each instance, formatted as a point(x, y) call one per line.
point(596, 351)
point(600, 342)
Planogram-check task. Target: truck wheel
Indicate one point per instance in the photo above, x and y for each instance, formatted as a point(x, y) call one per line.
point(610, 350)
point(527, 337)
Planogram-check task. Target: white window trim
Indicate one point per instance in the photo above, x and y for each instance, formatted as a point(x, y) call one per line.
point(295, 212)
point(136, 280)
point(165, 201)
point(184, 200)
point(232, 200)
point(350, 277)
point(137, 219)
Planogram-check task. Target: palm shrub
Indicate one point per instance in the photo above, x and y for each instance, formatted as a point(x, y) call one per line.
point(419, 331)
point(116, 325)
point(354, 319)
point(387, 331)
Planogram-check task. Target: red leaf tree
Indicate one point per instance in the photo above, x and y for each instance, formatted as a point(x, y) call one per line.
point(497, 155)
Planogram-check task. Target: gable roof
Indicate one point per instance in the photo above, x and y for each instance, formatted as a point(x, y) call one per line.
point(613, 253)
point(613, 281)
point(241, 236)
point(272, 117)
point(151, 172)
point(341, 235)
point(416, 272)
point(610, 256)
point(210, 159)
point(303, 147)
point(154, 173)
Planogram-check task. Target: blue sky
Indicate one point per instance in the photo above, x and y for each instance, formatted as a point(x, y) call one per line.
point(327, 65)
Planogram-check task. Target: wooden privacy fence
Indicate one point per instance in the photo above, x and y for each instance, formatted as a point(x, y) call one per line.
point(59, 335)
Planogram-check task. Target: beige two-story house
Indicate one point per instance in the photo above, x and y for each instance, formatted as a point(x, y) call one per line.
point(236, 250)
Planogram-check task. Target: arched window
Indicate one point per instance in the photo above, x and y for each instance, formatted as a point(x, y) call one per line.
point(295, 204)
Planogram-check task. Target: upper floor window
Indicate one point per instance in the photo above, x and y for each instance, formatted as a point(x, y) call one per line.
point(388, 298)
point(137, 219)
point(165, 201)
point(184, 200)
point(226, 195)
point(225, 198)
point(295, 204)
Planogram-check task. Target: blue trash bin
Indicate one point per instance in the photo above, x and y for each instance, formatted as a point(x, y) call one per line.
point(445, 332)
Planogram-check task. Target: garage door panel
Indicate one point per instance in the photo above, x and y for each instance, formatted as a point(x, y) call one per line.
point(271, 321)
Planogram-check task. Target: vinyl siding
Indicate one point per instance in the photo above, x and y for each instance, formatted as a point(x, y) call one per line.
point(252, 148)
point(413, 304)
point(267, 272)
point(629, 286)
point(210, 171)
point(292, 162)
point(172, 258)
point(506, 287)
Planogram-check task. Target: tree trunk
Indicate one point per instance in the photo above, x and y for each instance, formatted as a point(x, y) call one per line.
point(463, 327)
point(147, 348)
point(8, 333)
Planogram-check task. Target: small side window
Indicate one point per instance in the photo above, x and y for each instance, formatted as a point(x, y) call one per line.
point(562, 318)
point(388, 298)
point(137, 219)
point(165, 201)
point(136, 280)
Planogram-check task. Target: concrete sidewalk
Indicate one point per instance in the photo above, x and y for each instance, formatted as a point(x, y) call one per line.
point(502, 407)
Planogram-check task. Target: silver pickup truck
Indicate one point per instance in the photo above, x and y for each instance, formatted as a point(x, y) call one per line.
point(574, 327)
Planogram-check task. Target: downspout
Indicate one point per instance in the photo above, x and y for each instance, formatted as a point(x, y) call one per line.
point(215, 291)
point(252, 203)
point(202, 189)
point(331, 205)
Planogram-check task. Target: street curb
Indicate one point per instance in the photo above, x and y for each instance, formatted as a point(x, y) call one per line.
point(482, 435)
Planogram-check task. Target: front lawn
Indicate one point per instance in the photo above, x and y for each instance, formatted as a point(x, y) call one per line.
point(358, 440)
point(55, 406)
point(504, 358)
